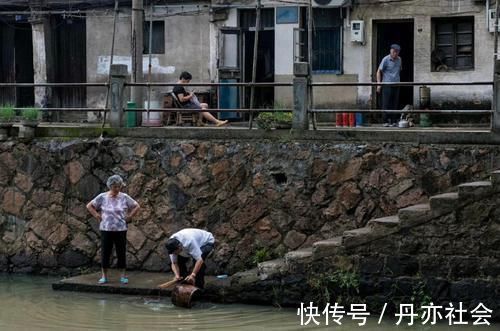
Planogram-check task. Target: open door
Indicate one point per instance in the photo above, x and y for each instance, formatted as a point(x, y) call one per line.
point(229, 71)
point(396, 32)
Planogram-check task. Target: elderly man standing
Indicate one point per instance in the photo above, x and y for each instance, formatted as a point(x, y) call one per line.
point(194, 243)
point(389, 71)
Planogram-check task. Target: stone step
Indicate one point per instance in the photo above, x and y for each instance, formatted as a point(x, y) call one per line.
point(268, 269)
point(444, 203)
point(475, 190)
point(356, 237)
point(327, 247)
point(303, 255)
point(385, 225)
point(415, 215)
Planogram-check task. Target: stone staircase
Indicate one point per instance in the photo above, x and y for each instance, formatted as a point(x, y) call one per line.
point(413, 216)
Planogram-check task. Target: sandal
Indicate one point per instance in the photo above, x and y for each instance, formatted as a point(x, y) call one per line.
point(124, 280)
point(103, 280)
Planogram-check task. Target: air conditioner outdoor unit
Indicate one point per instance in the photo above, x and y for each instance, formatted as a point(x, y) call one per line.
point(491, 20)
point(330, 3)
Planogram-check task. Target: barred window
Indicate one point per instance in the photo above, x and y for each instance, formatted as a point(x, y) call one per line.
point(158, 37)
point(453, 44)
point(326, 43)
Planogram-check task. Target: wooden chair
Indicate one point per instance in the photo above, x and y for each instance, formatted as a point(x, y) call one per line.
point(171, 117)
point(181, 118)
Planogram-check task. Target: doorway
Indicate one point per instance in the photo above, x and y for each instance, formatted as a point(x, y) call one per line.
point(264, 96)
point(386, 34)
point(16, 63)
point(70, 65)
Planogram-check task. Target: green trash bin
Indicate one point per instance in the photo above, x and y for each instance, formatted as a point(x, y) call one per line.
point(131, 116)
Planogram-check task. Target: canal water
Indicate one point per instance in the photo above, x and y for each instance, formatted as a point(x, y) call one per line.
point(29, 303)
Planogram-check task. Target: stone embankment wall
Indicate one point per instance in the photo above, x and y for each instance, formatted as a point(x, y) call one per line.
point(255, 196)
point(445, 252)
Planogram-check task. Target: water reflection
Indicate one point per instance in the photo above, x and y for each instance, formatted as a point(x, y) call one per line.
point(28, 303)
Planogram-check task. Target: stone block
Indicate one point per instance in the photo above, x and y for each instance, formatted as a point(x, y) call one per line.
point(358, 237)
point(444, 203)
point(328, 247)
point(475, 190)
point(269, 269)
point(385, 225)
point(415, 215)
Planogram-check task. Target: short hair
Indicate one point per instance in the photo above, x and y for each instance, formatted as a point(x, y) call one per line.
point(186, 75)
point(172, 245)
point(115, 180)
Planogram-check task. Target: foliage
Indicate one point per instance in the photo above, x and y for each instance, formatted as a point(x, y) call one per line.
point(420, 297)
point(261, 255)
point(7, 113)
point(342, 286)
point(31, 114)
point(275, 119)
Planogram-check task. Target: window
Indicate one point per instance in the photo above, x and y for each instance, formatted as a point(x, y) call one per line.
point(158, 37)
point(453, 44)
point(326, 41)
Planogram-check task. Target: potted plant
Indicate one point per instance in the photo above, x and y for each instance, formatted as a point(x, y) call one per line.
point(30, 120)
point(30, 117)
point(7, 115)
point(275, 120)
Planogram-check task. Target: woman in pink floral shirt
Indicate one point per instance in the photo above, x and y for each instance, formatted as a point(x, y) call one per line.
point(113, 209)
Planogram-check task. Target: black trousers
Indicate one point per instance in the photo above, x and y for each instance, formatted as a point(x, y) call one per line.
point(200, 277)
point(390, 101)
point(119, 240)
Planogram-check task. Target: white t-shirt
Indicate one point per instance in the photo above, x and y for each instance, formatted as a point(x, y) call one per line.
point(192, 240)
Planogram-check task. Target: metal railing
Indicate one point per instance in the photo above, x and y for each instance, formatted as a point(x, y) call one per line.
point(298, 98)
point(315, 111)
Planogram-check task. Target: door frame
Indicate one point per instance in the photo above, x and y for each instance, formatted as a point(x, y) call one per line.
point(374, 64)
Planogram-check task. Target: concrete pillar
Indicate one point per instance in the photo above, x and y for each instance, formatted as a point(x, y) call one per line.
point(118, 78)
point(300, 96)
point(496, 98)
point(40, 26)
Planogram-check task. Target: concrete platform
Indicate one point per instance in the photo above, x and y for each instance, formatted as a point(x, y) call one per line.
point(434, 135)
point(140, 283)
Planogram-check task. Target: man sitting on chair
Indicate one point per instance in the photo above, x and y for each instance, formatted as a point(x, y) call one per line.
point(190, 101)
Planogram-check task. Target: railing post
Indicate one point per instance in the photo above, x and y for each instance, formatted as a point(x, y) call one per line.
point(300, 96)
point(496, 98)
point(118, 77)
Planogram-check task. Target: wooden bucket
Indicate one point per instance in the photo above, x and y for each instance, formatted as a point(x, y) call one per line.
point(183, 295)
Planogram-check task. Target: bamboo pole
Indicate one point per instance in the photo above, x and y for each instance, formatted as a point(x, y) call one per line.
point(254, 63)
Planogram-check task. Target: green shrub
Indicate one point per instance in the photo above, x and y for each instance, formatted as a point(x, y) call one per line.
point(7, 113)
point(342, 287)
point(31, 114)
point(261, 255)
point(275, 119)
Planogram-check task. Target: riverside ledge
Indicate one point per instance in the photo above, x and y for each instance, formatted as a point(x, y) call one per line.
point(364, 134)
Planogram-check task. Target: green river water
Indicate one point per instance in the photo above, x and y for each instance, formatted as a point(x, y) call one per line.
point(29, 303)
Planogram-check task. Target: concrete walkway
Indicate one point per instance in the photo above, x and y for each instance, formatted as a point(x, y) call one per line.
point(140, 283)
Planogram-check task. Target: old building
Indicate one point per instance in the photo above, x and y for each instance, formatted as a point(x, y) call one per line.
point(70, 41)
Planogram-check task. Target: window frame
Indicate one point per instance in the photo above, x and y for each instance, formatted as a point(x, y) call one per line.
point(454, 21)
point(145, 50)
point(338, 29)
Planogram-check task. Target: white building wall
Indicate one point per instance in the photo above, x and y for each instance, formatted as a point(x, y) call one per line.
point(359, 59)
